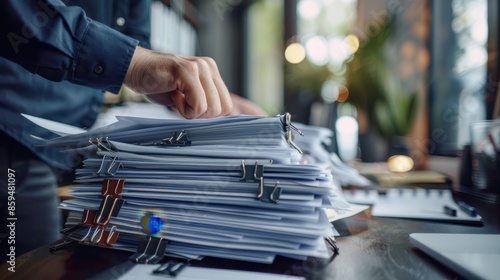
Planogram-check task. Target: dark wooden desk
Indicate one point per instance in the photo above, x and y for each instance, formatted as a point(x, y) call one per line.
point(370, 248)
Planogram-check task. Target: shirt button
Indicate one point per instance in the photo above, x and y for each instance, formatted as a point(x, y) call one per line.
point(98, 69)
point(120, 21)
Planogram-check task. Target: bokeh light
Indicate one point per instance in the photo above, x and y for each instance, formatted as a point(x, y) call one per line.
point(295, 53)
point(400, 163)
point(329, 91)
point(343, 93)
point(308, 9)
point(352, 42)
point(317, 50)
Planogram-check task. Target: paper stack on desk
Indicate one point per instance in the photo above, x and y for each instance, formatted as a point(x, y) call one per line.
point(230, 187)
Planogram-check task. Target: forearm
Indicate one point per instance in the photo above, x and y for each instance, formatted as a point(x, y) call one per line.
point(61, 43)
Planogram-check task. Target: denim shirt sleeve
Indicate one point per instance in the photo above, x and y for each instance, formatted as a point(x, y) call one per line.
point(59, 43)
point(139, 25)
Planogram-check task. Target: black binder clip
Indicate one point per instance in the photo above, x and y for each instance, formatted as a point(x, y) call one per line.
point(150, 251)
point(332, 244)
point(270, 194)
point(252, 174)
point(62, 244)
point(256, 174)
point(171, 268)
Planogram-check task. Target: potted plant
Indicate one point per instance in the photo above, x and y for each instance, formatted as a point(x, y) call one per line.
point(387, 109)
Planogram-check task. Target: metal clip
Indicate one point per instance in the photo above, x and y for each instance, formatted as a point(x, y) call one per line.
point(110, 166)
point(107, 211)
point(288, 123)
point(102, 144)
point(113, 187)
point(286, 120)
point(110, 236)
point(150, 250)
point(270, 194)
point(332, 244)
point(171, 268)
point(175, 139)
point(61, 244)
point(276, 193)
point(86, 222)
point(248, 176)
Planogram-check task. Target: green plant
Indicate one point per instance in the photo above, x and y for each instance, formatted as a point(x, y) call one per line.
point(395, 112)
point(375, 89)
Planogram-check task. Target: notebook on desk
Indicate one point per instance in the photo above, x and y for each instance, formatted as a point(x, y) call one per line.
point(473, 256)
point(422, 204)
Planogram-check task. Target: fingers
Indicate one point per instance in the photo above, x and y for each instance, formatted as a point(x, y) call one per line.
point(210, 92)
point(192, 84)
point(218, 98)
point(245, 106)
point(206, 95)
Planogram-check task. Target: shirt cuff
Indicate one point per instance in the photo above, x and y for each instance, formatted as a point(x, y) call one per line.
point(103, 58)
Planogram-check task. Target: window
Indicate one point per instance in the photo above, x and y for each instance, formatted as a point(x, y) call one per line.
point(463, 73)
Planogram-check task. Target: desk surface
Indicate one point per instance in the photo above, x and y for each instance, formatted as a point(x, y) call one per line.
point(370, 248)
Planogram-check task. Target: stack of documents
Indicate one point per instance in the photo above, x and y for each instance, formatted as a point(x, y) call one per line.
point(229, 187)
point(314, 144)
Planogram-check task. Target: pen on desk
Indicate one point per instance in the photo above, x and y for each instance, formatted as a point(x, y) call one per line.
point(471, 211)
point(450, 211)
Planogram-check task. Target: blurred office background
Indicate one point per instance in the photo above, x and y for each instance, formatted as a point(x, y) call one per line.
point(388, 76)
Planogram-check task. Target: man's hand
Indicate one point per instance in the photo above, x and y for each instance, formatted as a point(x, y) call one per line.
point(245, 106)
point(192, 85)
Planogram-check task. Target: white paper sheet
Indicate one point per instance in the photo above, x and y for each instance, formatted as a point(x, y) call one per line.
point(144, 271)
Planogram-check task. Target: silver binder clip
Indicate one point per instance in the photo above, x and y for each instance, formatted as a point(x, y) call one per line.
point(108, 167)
point(102, 144)
point(114, 166)
point(276, 193)
point(286, 120)
point(175, 139)
point(288, 123)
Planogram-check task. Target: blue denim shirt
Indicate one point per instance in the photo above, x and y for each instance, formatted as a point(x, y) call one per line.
point(56, 61)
